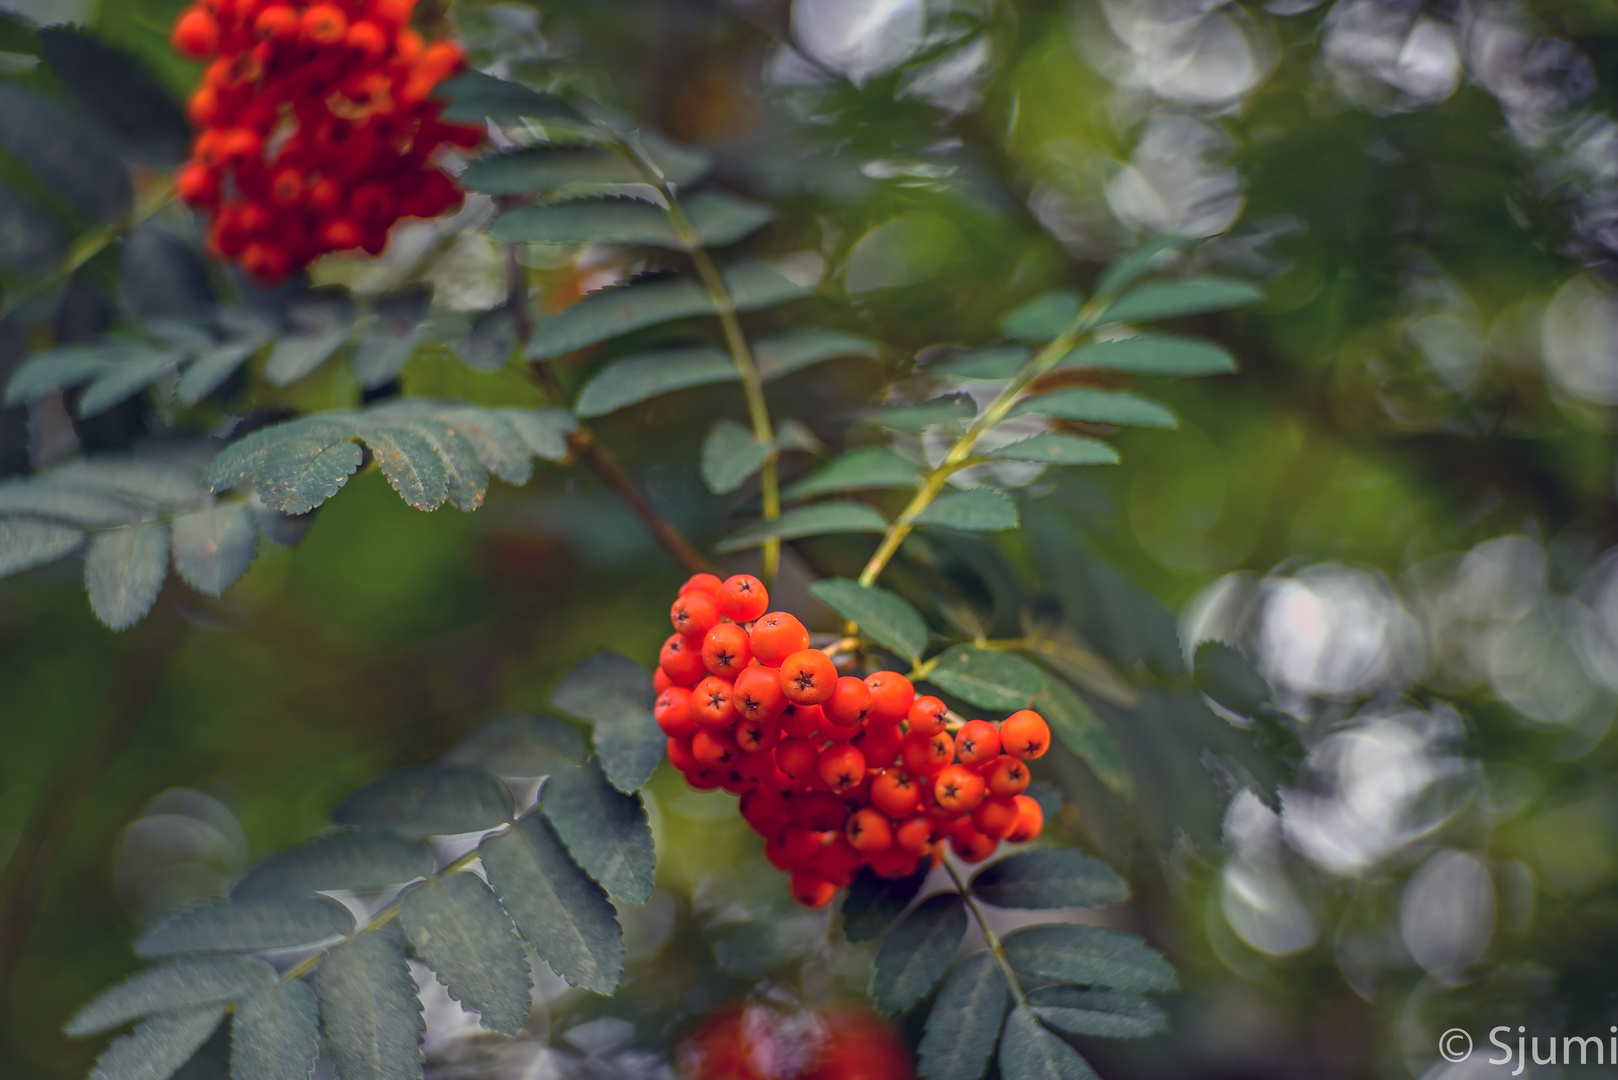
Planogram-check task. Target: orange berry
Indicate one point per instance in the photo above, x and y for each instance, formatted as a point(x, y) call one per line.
point(743, 598)
point(340, 234)
point(810, 889)
point(324, 24)
point(841, 766)
point(777, 636)
point(914, 834)
point(713, 703)
point(725, 651)
point(958, 789)
point(996, 817)
point(926, 715)
point(694, 613)
point(971, 846)
point(714, 749)
point(764, 810)
point(367, 38)
point(820, 810)
point(850, 702)
point(673, 713)
point(838, 861)
point(681, 657)
point(680, 756)
point(198, 185)
point(801, 721)
point(867, 830)
point(392, 12)
point(977, 743)
point(196, 35)
point(894, 793)
point(758, 693)
point(808, 677)
point(880, 743)
point(707, 583)
point(1025, 735)
point(891, 696)
point(754, 736)
point(797, 758)
point(926, 755)
point(203, 107)
point(278, 22)
point(1006, 776)
point(441, 60)
point(1030, 821)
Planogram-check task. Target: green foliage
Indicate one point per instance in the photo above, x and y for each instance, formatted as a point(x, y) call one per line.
point(869, 467)
point(369, 1010)
point(1228, 677)
point(917, 952)
point(964, 1024)
point(521, 746)
point(730, 454)
point(1059, 877)
point(817, 520)
point(1088, 956)
point(991, 680)
point(604, 830)
point(1055, 448)
point(873, 903)
point(428, 800)
point(459, 929)
point(1107, 1014)
point(171, 987)
point(976, 510)
point(615, 694)
point(1172, 299)
point(1153, 354)
point(882, 616)
point(274, 921)
point(275, 1033)
point(1081, 403)
point(157, 1048)
point(1029, 1052)
point(370, 860)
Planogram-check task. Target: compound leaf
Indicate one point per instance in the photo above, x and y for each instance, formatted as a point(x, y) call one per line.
point(1056, 448)
point(521, 746)
point(588, 221)
point(1230, 678)
point(882, 616)
point(474, 97)
point(815, 520)
point(947, 410)
point(67, 155)
point(1107, 1014)
point(1081, 731)
point(124, 570)
point(275, 1034)
point(975, 510)
point(1053, 878)
point(214, 547)
point(795, 350)
point(994, 363)
point(1129, 267)
point(610, 312)
point(157, 1048)
point(26, 543)
point(303, 470)
point(1029, 1052)
point(370, 1010)
point(1043, 317)
point(412, 465)
point(149, 124)
point(615, 694)
point(544, 431)
point(263, 922)
point(1090, 406)
point(168, 987)
point(1089, 956)
point(209, 371)
point(988, 679)
point(605, 830)
point(964, 1024)
point(730, 455)
point(125, 379)
point(1153, 354)
point(1191, 296)
point(429, 800)
point(338, 861)
point(873, 902)
point(721, 218)
point(639, 378)
point(917, 952)
point(457, 926)
point(865, 469)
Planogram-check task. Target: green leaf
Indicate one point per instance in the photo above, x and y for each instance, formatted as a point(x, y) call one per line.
point(159, 1046)
point(964, 1023)
point(564, 915)
point(638, 378)
point(299, 473)
point(467, 481)
point(545, 170)
point(721, 219)
point(1132, 264)
point(1086, 405)
point(791, 434)
point(989, 680)
point(1042, 318)
point(755, 284)
point(1106, 1014)
point(168, 987)
point(1191, 296)
point(149, 125)
point(492, 437)
point(996, 362)
point(490, 340)
point(1081, 731)
point(209, 371)
point(815, 520)
point(795, 350)
point(865, 469)
point(975, 510)
point(392, 337)
point(1029, 1052)
point(474, 97)
point(65, 367)
point(521, 746)
point(918, 418)
point(126, 379)
point(214, 547)
point(124, 570)
point(1089, 956)
point(275, 1034)
point(1153, 354)
point(428, 800)
point(545, 431)
point(29, 236)
point(1052, 878)
point(587, 221)
point(917, 952)
point(882, 616)
point(459, 929)
point(1057, 448)
point(320, 325)
point(604, 830)
point(337, 861)
point(370, 1010)
point(1225, 675)
point(873, 902)
point(412, 465)
point(730, 455)
point(69, 157)
point(26, 543)
point(615, 694)
point(265, 922)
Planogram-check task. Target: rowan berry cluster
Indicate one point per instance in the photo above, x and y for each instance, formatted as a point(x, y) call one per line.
point(316, 132)
point(834, 771)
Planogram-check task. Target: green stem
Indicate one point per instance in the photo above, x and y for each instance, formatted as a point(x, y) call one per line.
point(993, 939)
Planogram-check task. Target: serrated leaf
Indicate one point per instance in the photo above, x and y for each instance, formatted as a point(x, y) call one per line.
point(65, 367)
point(917, 952)
point(300, 472)
point(815, 520)
point(1089, 956)
point(994, 363)
point(275, 1034)
point(499, 447)
point(755, 284)
point(564, 915)
point(1106, 1014)
point(1081, 731)
point(615, 694)
point(587, 221)
point(721, 218)
point(124, 570)
point(975, 510)
point(214, 547)
point(459, 929)
point(1171, 299)
point(1153, 354)
point(873, 902)
point(26, 543)
point(370, 1010)
point(604, 830)
point(964, 1023)
point(337, 861)
point(987, 679)
point(209, 371)
point(1230, 678)
point(1086, 405)
point(794, 350)
point(730, 455)
point(468, 482)
point(267, 922)
point(948, 410)
point(544, 431)
point(1053, 878)
point(868, 468)
point(131, 375)
point(521, 746)
point(882, 616)
point(428, 800)
point(159, 1046)
point(1056, 448)
point(1029, 1052)
point(638, 378)
point(411, 463)
point(168, 987)
point(1042, 318)
point(1128, 268)
point(474, 97)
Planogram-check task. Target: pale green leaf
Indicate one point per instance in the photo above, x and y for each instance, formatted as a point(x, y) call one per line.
point(1057, 448)
point(1087, 405)
point(964, 1023)
point(588, 221)
point(949, 410)
point(730, 455)
point(638, 378)
point(428, 800)
point(169, 987)
point(882, 616)
point(370, 1010)
point(548, 169)
point(128, 377)
point(268, 922)
point(988, 679)
point(338, 861)
point(917, 952)
point(1029, 1052)
point(1129, 267)
point(275, 1034)
point(65, 367)
point(1106, 1014)
point(815, 520)
point(793, 434)
point(974, 510)
point(994, 363)
point(124, 570)
point(1229, 678)
point(615, 694)
point(159, 1046)
point(755, 284)
point(1042, 318)
point(1053, 878)
point(1153, 354)
point(214, 547)
point(867, 468)
point(1089, 956)
point(721, 218)
point(1170, 299)
point(26, 543)
point(794, 350)
point(459, 929)
point(209, 371)
point(604, 830)
point(545, 431)
point(474, 97)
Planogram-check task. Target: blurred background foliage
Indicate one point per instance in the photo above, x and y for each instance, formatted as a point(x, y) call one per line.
point(1401, 510)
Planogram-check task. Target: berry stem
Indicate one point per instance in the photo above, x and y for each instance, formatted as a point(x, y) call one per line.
point(989, 936)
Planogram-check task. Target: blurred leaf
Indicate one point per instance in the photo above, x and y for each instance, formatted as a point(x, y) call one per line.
point(543, 170)
point(521, 746)
point(411, 463)
point(1090, 406)
point(918, 418)
point(1132, 264)
point(964, 1023)
point(1170, 299)
point(637, 378)
point(588, 221)
point(275, 1034)
point(490, 341)
point(1107, 1014)
point(1225, 675)
point(319, 324)
point(139, 368)
point(793, 434)
point(867, 468)
point(31, 241)
point(159, 1046)
point(391, 339)
point(1044, 317)
point(1057, 448)
point(721, 218)
point(459, 929)
point(67, 366)
point(794, 350)
point(370, 1010)
point(730, 455)
point(1090, 956)
point(873, 902)
point(997, 362)
point(214, 547)
point(124, 570)
point(615, 694)
point(815, 520)
point(564, 915)
point(975, 510)
point(474, 97)
point(1053, 878)
point(1047, 795)
point(604, 830)
point(356, 861)
point(209, 371)
point(917, 952)
point(989, 680)
point(168, 987)
point(67, 155)
point(1081, 731)
point(428, 800)
point(267, 922)
point(129, 102)
point(1029, 1052)
point(882, 616)
point(1153, 354)
point(26, 543)
point(544, 430)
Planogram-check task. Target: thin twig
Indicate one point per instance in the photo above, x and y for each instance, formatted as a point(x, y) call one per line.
point(993, 939)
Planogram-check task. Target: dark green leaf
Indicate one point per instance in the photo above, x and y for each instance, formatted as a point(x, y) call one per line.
point(917, 952)
point(521, 746)
point(1042, 318)
point(474, 97)
point(392, 336)
point(159, 1046)
point(1081, 731)
point(816, 520)
point(615, 694)
point(167, 987)
point(1089, 956)
point(793, 434)
point(544, 430)
point(149, 124)
point(428, 800)
point(864, 469)
point(989, 680)
point(370, 1010)
point(142, 366)
point(1153, 354)
point(996, 362)
point(1228, 677)
point(490, 341)
point(1057, 448)
point(1107, 1014)
point(1132, 264)
point(588, 221)
point(302, 471)
point(604, 830)
point(337, 861)
point(457, 926)
point(546, 169)
point(268, 922)
point(964, 1023)
point(872, 902)
point(26, 543)
point(468, 481)
point(320, 323)
point(214, 547)
point(637, 378)
point(1053, 878)
point(209, 371)
point(67, 155)
point(1091, 406)
point(975, 510)
point(492, 438)
point(244, 457)
point(411, 463)
point(730, 455)
point(124, 570)
point(882, 616)
point(1169, 299)
point(30, 239)
point(565, 916)
point(795, 350)
point(276, 1034)
point(721, 219)
point(918, 418)
point(1029, 1052)
point(754, 284)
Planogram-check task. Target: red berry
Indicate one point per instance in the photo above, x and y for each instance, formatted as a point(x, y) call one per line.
point(926, 715)
point(713, 703)
point(914, 834)
point(694, 613)
point(1025, 734)
point(278, 21)
point(725, 651)
point(756, 735)
point(808, 677)
point(880, 744)
point(797, 757)
point(198, 185)
point(868, 830)
point(1030, 821)
point(715, 749)
point(841, 766)
point(758, 693)
point(958, 789)
point(680, 756)
point(681, 657)
point(743, 598)
point(196, 35)
point(707, 583)
point(850, 702)
point(820, 810)
point(810, 889)
point(764, 810)
point(996, 817)
point(673, 713)
point(367, 38)
point(971, 846)
point(926, 755)
point(977, 743)
point(661, 680)
point(324, 24)
point(891, 696)
point(1006, 777)
point(892, 862)
point(777, 636)
point(838, 861)
point(800, 721)
point(894, 793)
point(340, 234)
